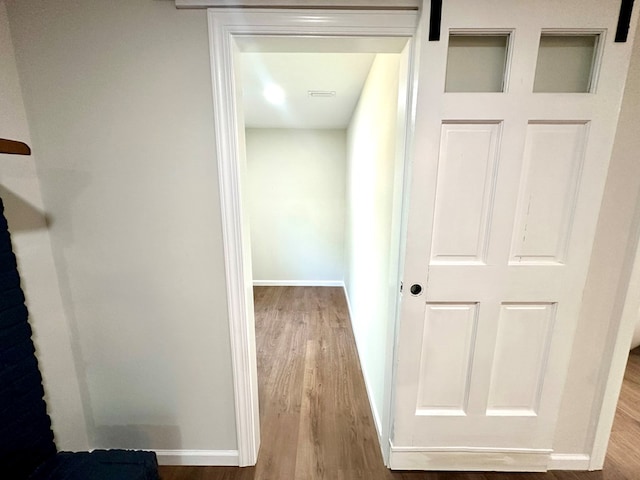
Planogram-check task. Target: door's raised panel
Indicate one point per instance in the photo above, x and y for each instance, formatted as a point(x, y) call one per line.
point(467, 169)
point(521, 351)
point(447, 353)
point(552, 164)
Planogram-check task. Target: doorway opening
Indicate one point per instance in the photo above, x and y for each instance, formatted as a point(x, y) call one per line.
point(323, 190)
point(233, 33)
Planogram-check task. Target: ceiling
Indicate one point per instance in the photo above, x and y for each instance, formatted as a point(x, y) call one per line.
point(297, 74)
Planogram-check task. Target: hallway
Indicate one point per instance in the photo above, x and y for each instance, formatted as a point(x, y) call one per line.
point(312, 395)
point(315, 417)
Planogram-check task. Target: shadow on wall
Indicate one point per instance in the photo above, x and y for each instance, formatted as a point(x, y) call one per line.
point(138, 436)
point(635, 342)
point(21, 215)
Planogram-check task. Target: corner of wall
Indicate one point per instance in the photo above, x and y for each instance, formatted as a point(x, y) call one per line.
point(20, 191)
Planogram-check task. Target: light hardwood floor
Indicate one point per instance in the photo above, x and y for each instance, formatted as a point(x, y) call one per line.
point(314, 412)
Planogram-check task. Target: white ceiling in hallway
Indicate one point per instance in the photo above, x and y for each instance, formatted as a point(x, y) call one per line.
point(297, 74)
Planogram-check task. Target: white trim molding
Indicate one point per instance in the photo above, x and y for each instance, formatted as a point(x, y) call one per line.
point(200, 458)
point(469, 459)
point(245, 376)
point(298, 283)
point(569, 461)
point(376, 415)
point(224, 26)
point(332, 4)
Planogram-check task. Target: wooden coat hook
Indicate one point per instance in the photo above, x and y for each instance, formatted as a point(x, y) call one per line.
point(14, 147)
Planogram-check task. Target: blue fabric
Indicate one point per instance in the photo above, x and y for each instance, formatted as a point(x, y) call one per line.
point(99, 465)
point(26, 439)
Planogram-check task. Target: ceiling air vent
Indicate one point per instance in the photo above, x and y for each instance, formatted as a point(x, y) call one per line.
point(322, 93)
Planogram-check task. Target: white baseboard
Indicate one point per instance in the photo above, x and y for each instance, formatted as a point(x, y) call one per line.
point(374, 410)
point(569, 461)
point(298, 283)
point(201, 458)
point(468, 459)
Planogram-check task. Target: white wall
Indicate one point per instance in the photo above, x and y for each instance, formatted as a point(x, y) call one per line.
point(118, 100)
point(118, 96)
point(371, 147)
point(296, 202)
point(607, 277)
point(20, 192)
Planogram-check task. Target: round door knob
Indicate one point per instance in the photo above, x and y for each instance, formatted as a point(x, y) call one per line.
point(416, 289)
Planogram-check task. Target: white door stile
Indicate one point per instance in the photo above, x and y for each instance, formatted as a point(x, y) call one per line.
point(407, 94)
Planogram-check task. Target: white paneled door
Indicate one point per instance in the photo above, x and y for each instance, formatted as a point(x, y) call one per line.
point(517, 112)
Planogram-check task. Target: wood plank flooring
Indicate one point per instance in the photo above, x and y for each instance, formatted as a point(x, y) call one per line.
point(314, 413)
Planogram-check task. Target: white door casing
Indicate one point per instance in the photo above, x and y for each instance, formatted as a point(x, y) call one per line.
point(227, 28)
point(505, 193)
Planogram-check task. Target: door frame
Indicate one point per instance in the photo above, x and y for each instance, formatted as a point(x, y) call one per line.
point(224, 25)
